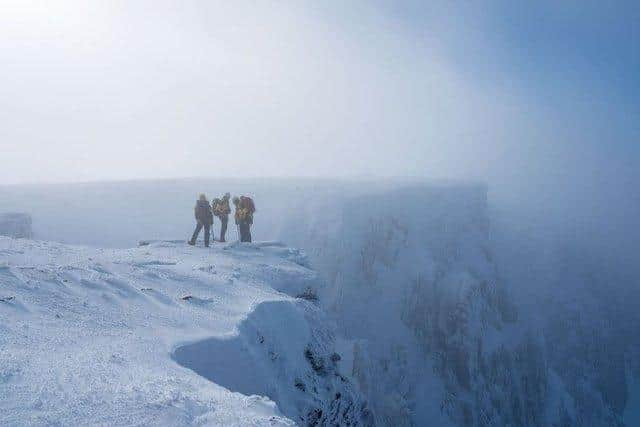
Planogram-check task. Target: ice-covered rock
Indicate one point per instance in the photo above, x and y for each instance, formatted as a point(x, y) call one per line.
point(436, 338)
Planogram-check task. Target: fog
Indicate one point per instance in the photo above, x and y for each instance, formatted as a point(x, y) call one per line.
point(463, 177)
point(540, 102)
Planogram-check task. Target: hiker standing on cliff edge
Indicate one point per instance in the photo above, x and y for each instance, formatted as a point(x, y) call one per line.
point(245, 209)
point(221, 209)
point(204, 218)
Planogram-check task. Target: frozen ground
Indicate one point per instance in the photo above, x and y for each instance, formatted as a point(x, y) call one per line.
point(119, 337)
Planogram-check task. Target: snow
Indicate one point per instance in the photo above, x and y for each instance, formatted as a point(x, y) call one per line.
point(441, 315)
point(93, 336)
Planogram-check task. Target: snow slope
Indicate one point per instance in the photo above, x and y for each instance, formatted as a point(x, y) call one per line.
point(166, 334)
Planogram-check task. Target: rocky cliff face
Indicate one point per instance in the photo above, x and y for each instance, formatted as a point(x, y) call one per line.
point(288, 348)
point(434, 334)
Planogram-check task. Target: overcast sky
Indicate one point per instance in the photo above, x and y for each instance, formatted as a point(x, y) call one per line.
point(497, 90)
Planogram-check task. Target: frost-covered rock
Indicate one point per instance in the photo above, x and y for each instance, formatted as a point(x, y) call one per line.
point(15, 225)
point(436, 338)
point(277, 342)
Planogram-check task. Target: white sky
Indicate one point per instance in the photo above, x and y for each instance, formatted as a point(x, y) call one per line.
point(121, 89)
point(112, 90)
point(100, 90)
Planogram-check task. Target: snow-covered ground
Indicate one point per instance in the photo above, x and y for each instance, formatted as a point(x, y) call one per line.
point(446, 310)
point(165, 334)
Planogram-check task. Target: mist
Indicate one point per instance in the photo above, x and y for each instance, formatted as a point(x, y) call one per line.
point(155, 90)
point(447, 200)
point(539, 102)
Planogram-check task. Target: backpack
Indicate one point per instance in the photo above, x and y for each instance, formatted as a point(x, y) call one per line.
point(220, 207)
point(223, 207)
point(215, 203)
point(247, 203)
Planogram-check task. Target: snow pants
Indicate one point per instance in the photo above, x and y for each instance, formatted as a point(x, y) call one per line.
point(224, 220)
point(207, 232)
point(245, 232)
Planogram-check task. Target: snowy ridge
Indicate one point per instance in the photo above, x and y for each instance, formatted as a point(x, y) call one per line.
point(92, 337)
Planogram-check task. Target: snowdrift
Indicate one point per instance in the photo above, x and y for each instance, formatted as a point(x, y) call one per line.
point(166, 334)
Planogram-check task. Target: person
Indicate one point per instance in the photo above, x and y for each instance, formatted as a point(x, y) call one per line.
point(221, 209)
point(245, 209)
point(204, 218)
